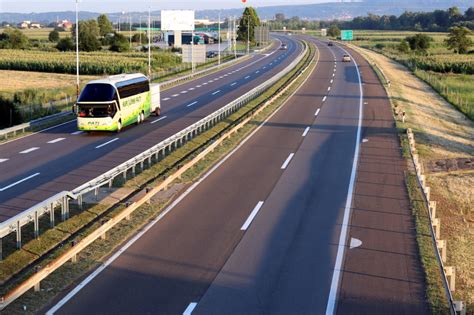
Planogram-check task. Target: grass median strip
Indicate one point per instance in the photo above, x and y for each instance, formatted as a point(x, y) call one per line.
point(94, 254)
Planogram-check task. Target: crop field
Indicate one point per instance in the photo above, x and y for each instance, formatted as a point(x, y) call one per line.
point(93, 63)
point(40, 34)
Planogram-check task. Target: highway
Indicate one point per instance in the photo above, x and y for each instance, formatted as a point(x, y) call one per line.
point(38, 166)
point(261, 232)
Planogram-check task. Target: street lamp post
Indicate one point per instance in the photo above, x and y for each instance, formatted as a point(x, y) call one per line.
point(248, 34)
point(77, 48)
point(130, 31)
point(149, 42)
point(219, 40)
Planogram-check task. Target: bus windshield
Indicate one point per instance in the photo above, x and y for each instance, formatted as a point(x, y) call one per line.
point(97, 110)
point(98, 92)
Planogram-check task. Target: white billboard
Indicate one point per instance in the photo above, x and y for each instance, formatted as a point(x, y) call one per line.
point(177, 20)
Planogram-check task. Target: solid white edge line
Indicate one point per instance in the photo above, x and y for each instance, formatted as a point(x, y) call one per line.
point(287, 161)
point(19, 182)
point(317, 112)
point(345, 222)
point(159, 119)
point(193, 103)
point(56, 140)
point(305, 132)
point(104, 144)
point(29, 150)
point(252, 215)
point(189, 310)
point(71, 294)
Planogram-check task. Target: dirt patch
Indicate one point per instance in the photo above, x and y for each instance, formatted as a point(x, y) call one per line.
point(445, 143)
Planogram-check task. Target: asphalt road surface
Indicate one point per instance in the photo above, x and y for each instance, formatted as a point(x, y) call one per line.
point(38, 166)
point(259, 233)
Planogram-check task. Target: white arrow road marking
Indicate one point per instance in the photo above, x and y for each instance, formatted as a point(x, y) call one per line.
point(355, 243)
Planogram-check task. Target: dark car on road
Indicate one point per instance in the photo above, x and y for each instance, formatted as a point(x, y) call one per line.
point(211, 54)
point(330, 44)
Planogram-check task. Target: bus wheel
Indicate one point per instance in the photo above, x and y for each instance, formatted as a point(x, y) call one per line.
point(139, 119)
point(142, 116)
point(157, 111)
point(119, 126)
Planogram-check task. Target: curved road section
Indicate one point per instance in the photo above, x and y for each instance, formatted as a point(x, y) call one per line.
point(266, 230)
point(37, 167)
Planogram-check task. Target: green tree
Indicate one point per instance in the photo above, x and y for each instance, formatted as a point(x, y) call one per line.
point(458, 39)
point(53, 36)
point(88, 35)
point(334, 31)
point(419, 43)
point(14, 39)
point(136, 38)
point(403, 47)
point(65, 44)
point(105, 25)
point(119, 43)
point(248, 20)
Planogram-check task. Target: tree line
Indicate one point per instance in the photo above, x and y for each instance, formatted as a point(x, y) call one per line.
point(436, 21)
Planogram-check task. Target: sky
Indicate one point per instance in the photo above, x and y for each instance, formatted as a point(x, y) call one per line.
point(107, 6)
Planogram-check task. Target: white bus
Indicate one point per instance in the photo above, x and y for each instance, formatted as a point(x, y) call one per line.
point(117, 101)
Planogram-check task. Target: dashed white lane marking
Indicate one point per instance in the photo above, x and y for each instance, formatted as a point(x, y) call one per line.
point(332, 81)
point(184, 92)
point(104, 144)
point(75, 133)
point(258, 71)
point(29, 150)
point(355, 243)
point(329, 88)
point(157, 120)
point(190, 308)
point(216, 92)
point(166, 99)
point(264, 68)
point(193, 103)
point(233, 84)
point(251, 216)
point(191, 89)
point(287, 161)
point(3, 160)
point(174, 95)
point(205, 83)
point(247, 77)
point(324, 99)
point(210, 81)
point(334, 73)
point(305, 132)
point(317, 112)
point(19, 182)
point(56, 140)
point(198, 86)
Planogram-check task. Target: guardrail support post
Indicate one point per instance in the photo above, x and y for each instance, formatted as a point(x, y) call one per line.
point(37, 287)
point(437, 227)
point(451, 275)
point(36, 225)
point(51, 214)
point(18, 234)
point(441, 244)
point(433, 209)
point(96, 193)
point(110, 183)
point(427, 193)
point(79, 201)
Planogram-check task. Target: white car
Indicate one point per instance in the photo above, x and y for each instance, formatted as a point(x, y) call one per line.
point(346, 58)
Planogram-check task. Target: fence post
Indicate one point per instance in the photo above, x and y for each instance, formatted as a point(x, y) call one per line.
point(433, 209)
point(18, 234)
point(437, 227)
point(441, 244)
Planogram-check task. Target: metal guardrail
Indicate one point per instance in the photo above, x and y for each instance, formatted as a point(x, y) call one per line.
point(37, 123)
point(156, 152)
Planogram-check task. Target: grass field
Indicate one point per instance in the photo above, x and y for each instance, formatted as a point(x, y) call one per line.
point(40, 34)
point(449, 74)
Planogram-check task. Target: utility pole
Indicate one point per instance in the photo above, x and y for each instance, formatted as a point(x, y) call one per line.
point(234, 35)
point(130, 31)
point(248, 34)
point(219, 41)
point(149, 43)
point(77, 48)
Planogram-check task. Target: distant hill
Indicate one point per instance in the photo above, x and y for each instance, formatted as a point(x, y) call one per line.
point(321, 11)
